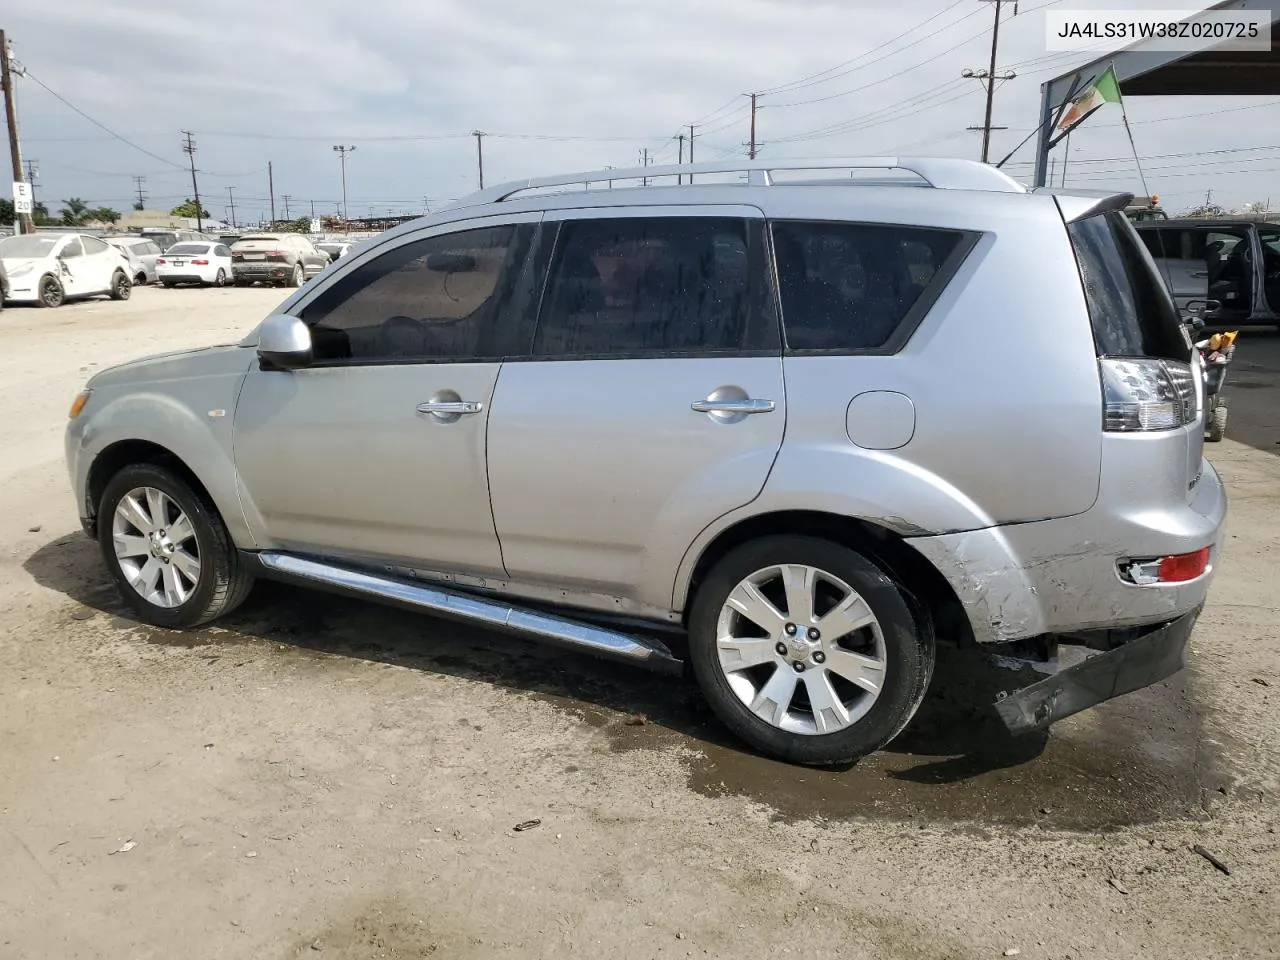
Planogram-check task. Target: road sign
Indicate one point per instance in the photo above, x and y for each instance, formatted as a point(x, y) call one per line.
point(21, 197)
point(315, 224)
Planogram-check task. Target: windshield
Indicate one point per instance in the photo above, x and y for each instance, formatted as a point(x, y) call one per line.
point(30, 245)
point(188, 249)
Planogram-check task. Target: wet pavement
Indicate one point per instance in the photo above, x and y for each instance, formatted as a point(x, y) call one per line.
point(1137, 759)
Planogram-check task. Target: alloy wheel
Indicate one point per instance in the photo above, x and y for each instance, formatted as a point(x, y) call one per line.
point(156, 547)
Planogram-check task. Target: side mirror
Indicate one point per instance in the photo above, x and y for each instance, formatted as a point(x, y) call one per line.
point(284, 343)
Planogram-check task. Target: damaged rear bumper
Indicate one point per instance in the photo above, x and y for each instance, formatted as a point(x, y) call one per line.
point(1143, 657)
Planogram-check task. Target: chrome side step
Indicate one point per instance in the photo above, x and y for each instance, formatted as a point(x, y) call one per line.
point(496, 614)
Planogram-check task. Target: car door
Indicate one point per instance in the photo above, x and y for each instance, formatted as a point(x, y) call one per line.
point(102, 261)
point(377, 449)
point(651, 403)
point(74, 272)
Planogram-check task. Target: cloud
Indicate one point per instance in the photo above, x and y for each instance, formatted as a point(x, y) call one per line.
point(287, 82)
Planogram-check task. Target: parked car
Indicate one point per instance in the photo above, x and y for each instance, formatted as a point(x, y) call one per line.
point(165, 239)
point(141, 254)
point(336, 249)
point(807, 426)
point(287, 259)
point(48, 269)
point(204, 263)
point(4, 285)
point(1234, 264)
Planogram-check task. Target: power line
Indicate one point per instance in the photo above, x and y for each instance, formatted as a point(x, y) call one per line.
point(96, 123)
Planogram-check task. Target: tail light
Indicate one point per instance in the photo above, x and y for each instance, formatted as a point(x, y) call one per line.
point(276, 255)
point(1179, 568)
point(161, 260)
point(200, 263)
point(1140, 395)
point(237, 256)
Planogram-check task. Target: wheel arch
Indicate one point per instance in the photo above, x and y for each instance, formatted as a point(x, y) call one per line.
point(124, 453)
point(929, 590)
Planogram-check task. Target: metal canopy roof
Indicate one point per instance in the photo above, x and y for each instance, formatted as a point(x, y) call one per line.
point(1143, 72)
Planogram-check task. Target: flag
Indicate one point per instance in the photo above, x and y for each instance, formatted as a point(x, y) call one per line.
point(1106, 89)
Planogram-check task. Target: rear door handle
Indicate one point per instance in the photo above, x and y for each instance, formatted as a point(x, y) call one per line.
point(454, 407)
point(740, 407)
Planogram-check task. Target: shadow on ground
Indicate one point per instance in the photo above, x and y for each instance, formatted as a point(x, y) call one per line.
point(1133, 760)
point(1252, 389)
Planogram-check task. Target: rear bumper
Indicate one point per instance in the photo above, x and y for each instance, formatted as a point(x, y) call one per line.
point(1060, 576)
point(261, 270)
point(1154, 654)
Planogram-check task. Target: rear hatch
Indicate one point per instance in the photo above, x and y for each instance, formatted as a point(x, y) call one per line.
point(1152, 381)
point(258, 249)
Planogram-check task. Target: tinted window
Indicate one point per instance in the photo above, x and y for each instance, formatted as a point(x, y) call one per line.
point(187, 249)
point(93, 245)
point(848, 286)
point(1153, 240)
point(443, 297)
point(1131, 311)
point(623, 287)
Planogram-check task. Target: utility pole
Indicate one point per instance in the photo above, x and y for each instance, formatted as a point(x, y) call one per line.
point(271, 190)
point(21, 222)
point(644, 162)
point(479, 135)
point(285, 197)
point(138, 183)
point(33, 173)
point(990, 77)
point(342, 151)
point(232, 200)
point(313, 209)
point(691, 149)
point(189, 148)
point(751, 148)
point(680, 137)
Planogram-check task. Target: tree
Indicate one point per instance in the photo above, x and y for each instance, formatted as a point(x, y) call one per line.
point(7, 214)
point(75, 212)
point(137, 205)
point(40, 216)
point(300, 225)
point(190, 210)
point(1206, 211)
point(104, 215)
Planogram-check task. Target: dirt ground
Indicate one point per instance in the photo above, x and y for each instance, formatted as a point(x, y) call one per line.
point(316, 777)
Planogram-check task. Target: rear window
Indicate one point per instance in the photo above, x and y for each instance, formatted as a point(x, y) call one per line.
point(860, 287)
point(187, 249)
point(1130, 308)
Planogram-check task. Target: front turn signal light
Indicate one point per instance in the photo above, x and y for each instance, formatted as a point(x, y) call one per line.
point(78, 403)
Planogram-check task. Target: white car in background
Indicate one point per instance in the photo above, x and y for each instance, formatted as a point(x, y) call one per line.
point(48, 269)
point(141, 254)
point(205, 263)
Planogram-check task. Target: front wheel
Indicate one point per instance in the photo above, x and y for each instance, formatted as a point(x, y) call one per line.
point(121, 286)
point(168, 551)
point(50, 292)
point(807, 650)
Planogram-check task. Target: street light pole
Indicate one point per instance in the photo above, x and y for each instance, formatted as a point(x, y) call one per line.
point(342, 152)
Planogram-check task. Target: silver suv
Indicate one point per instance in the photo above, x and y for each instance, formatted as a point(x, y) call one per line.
point(807, 424)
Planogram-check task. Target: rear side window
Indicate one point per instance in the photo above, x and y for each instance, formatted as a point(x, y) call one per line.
point(1130, 308)
point(852, 287)
point(635, 286)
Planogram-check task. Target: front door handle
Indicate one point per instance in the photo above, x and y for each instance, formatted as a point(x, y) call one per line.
point(733, 407)
point(451, 407)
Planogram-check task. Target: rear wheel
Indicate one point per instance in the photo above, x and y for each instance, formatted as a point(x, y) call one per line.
point(50, 292)
point(121, 286)
point(221, 279)
point(807, 650)
point(295, 278)
point(168, 551)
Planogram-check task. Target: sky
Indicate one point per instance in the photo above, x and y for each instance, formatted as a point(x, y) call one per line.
point(560, 87)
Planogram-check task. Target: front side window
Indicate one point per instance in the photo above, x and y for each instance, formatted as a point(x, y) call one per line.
point(851, 287)
point(645, 285)
point(446, 297)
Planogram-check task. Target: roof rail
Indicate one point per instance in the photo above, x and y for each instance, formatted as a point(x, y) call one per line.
point(944, 173)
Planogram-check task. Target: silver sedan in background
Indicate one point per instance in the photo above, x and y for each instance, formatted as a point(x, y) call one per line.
point(141, 254)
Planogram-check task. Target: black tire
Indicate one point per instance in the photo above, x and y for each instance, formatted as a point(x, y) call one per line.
point(168, 284)
point(224, 581)
point(297, 276)
point(140, 280)
point(242, 283)
point(909, 652)
point(1216, 428)
point(121, 286)
point(220, 279)
point(50, 293)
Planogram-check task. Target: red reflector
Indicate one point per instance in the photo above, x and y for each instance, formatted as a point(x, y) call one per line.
point(201, 263)
point(1185, 566)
